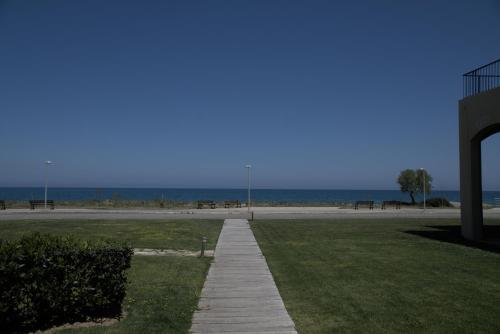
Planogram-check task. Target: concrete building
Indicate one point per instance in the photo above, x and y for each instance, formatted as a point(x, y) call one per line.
point(479, 118)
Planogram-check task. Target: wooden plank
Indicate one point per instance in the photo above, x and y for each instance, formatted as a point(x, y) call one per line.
point(239, 295)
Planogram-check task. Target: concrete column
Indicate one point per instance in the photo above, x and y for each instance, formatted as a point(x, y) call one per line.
point(471, 190)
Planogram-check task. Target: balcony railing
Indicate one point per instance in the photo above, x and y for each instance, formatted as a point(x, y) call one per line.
point(482, 79)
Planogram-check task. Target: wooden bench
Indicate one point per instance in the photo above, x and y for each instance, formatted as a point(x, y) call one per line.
point(41, 202)
point(2, 205)
point(233, 203)
point(211, 204)
point(396, 204)
point(369, 204)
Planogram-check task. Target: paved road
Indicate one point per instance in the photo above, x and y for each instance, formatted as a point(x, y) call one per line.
point(239, 295)
point(220, 213)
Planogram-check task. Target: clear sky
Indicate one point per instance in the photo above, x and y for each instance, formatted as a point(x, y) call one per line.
point(314, 94)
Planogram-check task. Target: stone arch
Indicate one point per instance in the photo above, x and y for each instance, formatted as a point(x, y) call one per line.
point(487, 131)
point(479, 118)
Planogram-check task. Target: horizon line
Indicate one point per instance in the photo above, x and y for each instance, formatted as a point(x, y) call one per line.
point(220, 188)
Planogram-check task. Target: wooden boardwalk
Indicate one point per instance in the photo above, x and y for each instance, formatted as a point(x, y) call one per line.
point(239, 295)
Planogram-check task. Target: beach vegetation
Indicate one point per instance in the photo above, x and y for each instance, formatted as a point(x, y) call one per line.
point(437, 202)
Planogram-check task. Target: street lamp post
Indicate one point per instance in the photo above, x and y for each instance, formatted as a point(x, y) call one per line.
point(248, 167)
point(423, 176)
point(47, 163)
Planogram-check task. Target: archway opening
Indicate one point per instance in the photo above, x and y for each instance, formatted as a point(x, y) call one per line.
point(490, 179)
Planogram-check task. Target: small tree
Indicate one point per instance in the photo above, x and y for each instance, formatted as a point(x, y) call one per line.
point(412, 182)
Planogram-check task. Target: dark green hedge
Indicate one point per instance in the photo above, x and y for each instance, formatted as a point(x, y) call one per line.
point(437, 202)
point(47, 281)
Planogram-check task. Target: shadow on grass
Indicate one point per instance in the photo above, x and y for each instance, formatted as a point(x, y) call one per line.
point(452, 234)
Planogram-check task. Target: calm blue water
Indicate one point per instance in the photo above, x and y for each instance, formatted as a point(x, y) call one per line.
point(268, 195)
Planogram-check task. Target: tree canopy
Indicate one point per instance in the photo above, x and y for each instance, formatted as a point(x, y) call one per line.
point(411, 181)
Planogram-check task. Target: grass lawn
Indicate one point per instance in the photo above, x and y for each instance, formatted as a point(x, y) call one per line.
point(163, 291)
point(167, 234)
point(161, 298)
point(382, 276)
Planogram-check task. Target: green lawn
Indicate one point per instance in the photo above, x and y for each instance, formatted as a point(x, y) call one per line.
point(161, 298)
point(163, 291)
point(167, 234)
point(373, 276)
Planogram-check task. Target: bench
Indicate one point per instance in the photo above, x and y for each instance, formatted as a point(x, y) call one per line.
point(2, 205)
point(396, 204)
point(41, 202)
point(369, 204)
point(211, 204)
point(234, 203)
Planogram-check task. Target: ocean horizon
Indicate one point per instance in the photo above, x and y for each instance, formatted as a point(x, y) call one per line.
point(219, 194)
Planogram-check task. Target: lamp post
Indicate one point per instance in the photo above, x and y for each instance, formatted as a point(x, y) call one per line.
point(423, 176)
point(248, 167)
point(47, 163)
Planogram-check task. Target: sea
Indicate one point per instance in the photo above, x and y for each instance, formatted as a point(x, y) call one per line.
point(273, 196)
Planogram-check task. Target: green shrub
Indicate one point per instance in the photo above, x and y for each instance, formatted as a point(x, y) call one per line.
point(436, 202)
point(47, 281)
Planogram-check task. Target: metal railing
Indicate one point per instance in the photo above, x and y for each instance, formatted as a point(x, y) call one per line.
point(482, 79)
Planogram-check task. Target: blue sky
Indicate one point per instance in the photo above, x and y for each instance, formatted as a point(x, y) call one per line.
point(314, 94)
